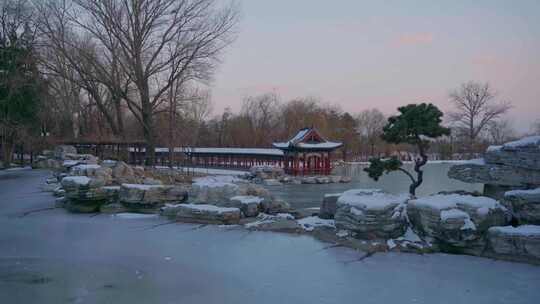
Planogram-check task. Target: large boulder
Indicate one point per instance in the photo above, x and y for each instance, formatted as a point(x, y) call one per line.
point(280, 222)
point(123, 173)
point(61, 151)
point(371, 213)
point(213, 189)
point(523, 153)
point(94, 171)
point(457, 223)
point(514, 165)
point(525, 205)
point(274, 206)
point(149, 198)
point(520, 244)
point(249, 205)
point(494, 174)
point(329, 205)
point(84, 194)
point(207, 214)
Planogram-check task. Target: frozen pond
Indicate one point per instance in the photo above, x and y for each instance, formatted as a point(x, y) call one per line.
point(55, 257)
point(435, 180)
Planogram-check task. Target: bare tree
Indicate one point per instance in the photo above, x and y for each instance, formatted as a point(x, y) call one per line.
point(500, 131)
point(475, 108)
point(370, 127)
point(159, 42)
point(262, 113)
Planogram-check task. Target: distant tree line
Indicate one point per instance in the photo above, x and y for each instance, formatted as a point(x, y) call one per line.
point(140, 70)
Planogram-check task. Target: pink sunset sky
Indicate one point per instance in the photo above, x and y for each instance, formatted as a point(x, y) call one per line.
point(365, 54)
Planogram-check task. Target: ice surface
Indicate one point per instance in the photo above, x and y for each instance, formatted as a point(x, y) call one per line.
point(56, 257)
point(134, 216)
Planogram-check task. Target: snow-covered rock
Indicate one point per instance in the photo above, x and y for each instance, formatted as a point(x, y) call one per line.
point(310, 223)
point(456, 222)
point(207, 214)
point(124, 173)
point(274, 206)
point(84, 194)
point(92, 170)
point(371, 213)
point(143, 197)
point(329, 205)
point(266, 172)
point(525, 205)
point(521, 244)
point(510, 166)
point(249, 205)
point(214, 189)
point(281, 222)
point(271, 182)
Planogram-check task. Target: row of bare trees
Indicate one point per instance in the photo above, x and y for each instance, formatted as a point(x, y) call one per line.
point(113, 69)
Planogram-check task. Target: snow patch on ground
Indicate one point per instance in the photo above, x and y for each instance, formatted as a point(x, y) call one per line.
point(210, 208)
point(86, 167)
point(453, 214)
point(19, 168)
point(311, 222)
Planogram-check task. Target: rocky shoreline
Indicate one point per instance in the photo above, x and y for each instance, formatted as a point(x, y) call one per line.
point(365, 219)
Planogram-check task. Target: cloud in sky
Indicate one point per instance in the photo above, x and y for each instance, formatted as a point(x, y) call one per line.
point(414, 39)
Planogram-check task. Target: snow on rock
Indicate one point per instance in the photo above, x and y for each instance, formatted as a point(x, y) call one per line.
point(248, 204)
point(79, 180)
point(143, 197)
point(531, 141)
point(311, 222)
point(455, 221)
point(214, 189)
point(371, 213)
point(207, 214)
point(520, 243)
point(280, 222)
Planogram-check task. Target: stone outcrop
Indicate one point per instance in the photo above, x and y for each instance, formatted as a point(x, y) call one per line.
point(514, 165)
point(457, 223)
point(249, 205)
point(94, 171)
point(281, 222)
point(371, 213)
point(83, 194)
point(213, 190)
point(524, 204)
point(149, 198)
point(124, 173)
point(207, 214)
point(274, 206)
point(329, 205)
point(520, 244)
